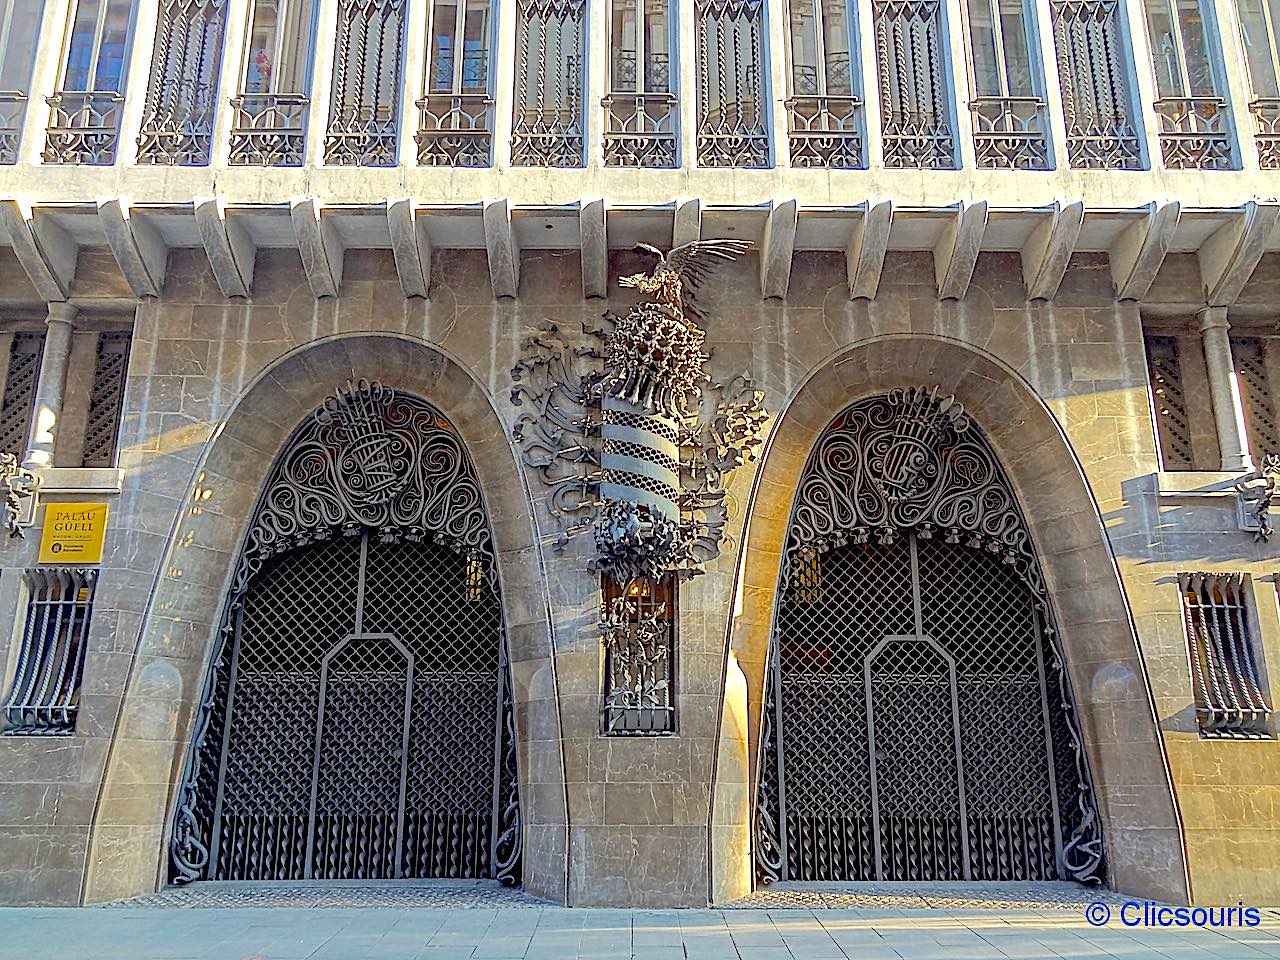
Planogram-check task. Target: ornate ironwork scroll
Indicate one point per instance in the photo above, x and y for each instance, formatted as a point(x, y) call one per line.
point(357, 719)
point(1194, 133)
point(20, 485)
point(1256, 491)
point(1010, 133)
point(633, 447)
point(732, 119)
point(918, 719)
point(268, 129)
point(177, 119)
point(547, 129)
point(1093, 72)
point(915, 102)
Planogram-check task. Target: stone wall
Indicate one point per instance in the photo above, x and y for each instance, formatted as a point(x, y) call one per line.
point(216, 386)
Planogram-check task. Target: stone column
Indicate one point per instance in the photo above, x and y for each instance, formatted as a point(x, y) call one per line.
point(51, 387)
point(1228, 411)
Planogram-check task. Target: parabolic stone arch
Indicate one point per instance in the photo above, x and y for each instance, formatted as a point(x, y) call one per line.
point(129, 845)
point(1098, 642)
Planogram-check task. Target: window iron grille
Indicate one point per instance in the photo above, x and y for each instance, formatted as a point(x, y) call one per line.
point(824, 111)
point(364, 112)
point(455, 126)
point(177, 118)
point(25, 354)
point(638, 627)
point(732, 116)
point(1230, 700)
point(548, 124)
point(102, 427)
point(1094, 72)
point(640, 109)
point(45, 697)
point(1173, 429)
point(1260, 32)
point(1250, 358)
point(915, 103)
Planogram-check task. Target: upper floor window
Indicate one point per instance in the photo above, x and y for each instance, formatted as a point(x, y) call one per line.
point(640, 109)
point(364, 110)
point(1168, 403)
point(1094, 74)
point(84, 119)
point(106, 399)
point(732, 115)
point(177, 118)
point(1192, 115)
point(1229, 690)
point(915, 97)
point(824, 110)
point(19, 30)
point(26, 351)
point(1260, 27)
point(1008, 108)
point(548, 127)
point(269, 120)
point(456, 113)
point(1255, 360)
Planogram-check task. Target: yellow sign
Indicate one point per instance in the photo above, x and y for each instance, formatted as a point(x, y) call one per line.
point(73, 533)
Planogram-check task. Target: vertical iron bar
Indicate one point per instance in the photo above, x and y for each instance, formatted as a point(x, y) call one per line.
point(1059, 862)
point(233, 675)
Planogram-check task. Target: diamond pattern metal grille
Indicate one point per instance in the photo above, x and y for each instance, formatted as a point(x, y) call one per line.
point(357, 721)
point(281, 745)
point(1164, 372)
point(917, 720)
point(1255, 388)
point(103, 423)
point(20, 391)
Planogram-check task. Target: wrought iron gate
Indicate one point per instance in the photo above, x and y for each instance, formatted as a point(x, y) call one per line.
point(918, 723)
point(357, 718)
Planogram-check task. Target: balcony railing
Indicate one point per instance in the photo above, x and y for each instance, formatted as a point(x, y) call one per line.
point(1193, 133)
point(1009, 133)
point(84, 127)
point(13, 107)
point(640, 130)
point(455, 130)
point(1266, 118)
point(268, 129)
point(826, 132)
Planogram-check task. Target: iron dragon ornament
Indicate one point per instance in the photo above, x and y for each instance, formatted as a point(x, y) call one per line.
point(632, 439)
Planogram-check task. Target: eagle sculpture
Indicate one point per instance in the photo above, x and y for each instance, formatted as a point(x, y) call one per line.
point(680, 271)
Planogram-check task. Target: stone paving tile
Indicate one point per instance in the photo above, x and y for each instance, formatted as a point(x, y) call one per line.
point(405, 932)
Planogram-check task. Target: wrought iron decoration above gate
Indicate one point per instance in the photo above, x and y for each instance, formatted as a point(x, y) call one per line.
point(356, 720)
point(918, 721)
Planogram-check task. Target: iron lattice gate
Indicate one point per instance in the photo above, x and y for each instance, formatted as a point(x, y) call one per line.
point(918, 721)
point(357, 720)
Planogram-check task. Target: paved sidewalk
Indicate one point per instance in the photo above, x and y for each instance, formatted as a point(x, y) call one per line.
point(553, 933)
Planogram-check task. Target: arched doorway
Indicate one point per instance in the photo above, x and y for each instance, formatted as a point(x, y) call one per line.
point(356, 720)
point(917, 721)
